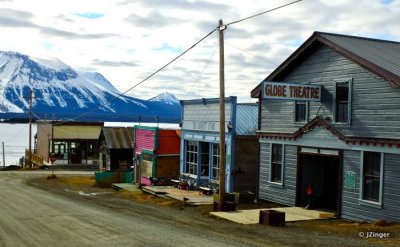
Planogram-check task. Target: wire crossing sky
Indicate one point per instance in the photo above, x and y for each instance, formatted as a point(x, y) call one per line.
point(127, 41)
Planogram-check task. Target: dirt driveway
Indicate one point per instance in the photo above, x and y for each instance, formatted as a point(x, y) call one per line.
point(131, 204)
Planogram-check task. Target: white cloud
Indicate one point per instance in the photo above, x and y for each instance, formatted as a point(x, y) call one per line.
point(126, 41)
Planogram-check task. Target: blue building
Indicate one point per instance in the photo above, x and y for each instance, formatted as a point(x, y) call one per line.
point(200, 143)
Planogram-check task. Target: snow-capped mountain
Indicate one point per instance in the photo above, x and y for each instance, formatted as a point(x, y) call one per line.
point(61, 90)
point(166, 98)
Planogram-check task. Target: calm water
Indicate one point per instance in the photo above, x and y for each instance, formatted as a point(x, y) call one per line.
point(16, 140)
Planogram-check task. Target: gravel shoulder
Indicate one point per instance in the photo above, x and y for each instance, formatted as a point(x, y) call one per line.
point(145, 206)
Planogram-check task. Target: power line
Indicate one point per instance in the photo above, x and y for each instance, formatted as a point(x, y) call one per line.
point(202, 72)
point(145, 79)
point(173, 60)
point(242, 50)
point(282, 6)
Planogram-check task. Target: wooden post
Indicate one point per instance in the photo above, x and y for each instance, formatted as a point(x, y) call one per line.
point(221, 113)
point(29, 164)
point(4, 156)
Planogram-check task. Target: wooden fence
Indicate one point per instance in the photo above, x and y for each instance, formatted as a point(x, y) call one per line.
point(36, 160)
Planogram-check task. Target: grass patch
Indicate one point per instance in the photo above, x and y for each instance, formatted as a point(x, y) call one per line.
point(72, 181)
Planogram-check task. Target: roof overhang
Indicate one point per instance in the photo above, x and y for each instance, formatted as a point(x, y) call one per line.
point(319, 122)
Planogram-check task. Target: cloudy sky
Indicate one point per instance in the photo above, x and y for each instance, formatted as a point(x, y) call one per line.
point(127, 40)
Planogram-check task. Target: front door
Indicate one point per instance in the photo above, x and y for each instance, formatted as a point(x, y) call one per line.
point(319, 180)
point(76, 153)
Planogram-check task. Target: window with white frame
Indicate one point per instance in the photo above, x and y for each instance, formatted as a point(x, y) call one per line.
point(191, 157)
point(372, 169)
point(276, 173)
point(342, 104)
point(300, 111)
point(215, 165)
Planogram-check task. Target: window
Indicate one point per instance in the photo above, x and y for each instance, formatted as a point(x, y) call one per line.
point(59, 149)
point(93, 150)
point(191, 157)
point(276, 163)
point(205, 158)
point(215, 167)
point(300, 111)
point(371, 176)
point(342, 105)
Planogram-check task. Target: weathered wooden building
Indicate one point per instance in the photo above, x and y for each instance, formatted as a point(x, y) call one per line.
point(71, 142)
point(157, 153)
point(200, 143)
point(335, 130)
point(116, 148)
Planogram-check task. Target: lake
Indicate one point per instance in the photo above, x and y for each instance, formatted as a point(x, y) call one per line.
point(16, 140)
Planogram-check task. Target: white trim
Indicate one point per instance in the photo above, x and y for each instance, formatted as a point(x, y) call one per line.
point(307, 103)
point(282, 166)
point(361, 192)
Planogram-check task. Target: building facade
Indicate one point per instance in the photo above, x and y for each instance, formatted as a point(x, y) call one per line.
point(341, 150)
point(156, 154)
point(71, 142)
point(116, 148)
point(200, 143)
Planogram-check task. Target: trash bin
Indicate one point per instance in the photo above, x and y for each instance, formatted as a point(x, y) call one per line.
point(224, 206)
point(272, 218)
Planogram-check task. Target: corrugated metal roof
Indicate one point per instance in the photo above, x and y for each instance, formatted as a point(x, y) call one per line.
point(118, 137)
point(385, 54)
point(246, 119)
point(76, 132)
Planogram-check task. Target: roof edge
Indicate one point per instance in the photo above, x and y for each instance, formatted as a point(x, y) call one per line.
point(317, 36)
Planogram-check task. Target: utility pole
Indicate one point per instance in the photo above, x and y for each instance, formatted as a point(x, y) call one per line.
point(222, 152)
point(4, 156)
point(29, 163)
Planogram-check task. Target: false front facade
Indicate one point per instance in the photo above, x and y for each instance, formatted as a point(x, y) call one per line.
point(200, 144)
point(329, 128)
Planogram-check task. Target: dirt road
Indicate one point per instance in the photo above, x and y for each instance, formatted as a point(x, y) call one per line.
point(55, 216)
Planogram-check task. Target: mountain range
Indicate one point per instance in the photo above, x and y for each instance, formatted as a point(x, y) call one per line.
point(61, 92)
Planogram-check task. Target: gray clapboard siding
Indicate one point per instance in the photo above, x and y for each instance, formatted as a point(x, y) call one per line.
point(206, 112)
point(375, 104)
point(351, 208)
point(284, 195)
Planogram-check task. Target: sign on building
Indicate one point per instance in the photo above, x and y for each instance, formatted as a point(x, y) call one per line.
point(350, 180)
point(291, 91)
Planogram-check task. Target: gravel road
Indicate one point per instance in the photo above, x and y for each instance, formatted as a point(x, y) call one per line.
point(46, 214)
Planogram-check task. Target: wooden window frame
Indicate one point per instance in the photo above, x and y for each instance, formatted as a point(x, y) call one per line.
point(363, 201)
point(306, 104)
point(274, 164)
point(191, 158)
point(349, 83)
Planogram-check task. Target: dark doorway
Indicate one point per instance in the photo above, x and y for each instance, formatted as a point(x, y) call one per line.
point(322, 174)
